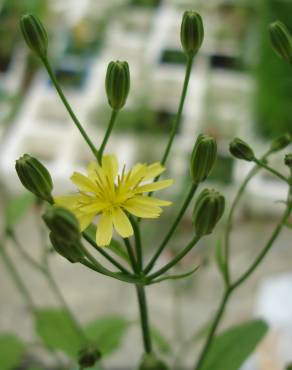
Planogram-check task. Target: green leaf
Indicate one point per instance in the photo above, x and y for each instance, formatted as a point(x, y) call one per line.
point(17, 208)
point(11, 351)
point(57, 331)
point(107, 333)
point(159, 340)
point(231, 348)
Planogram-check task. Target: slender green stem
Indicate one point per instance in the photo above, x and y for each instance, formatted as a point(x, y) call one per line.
point(270, 169)
point(232, 287)
point(210, 338)
point(144, 318)
point(68, 107)
point(138, 243)
point(234, 204)
point(105, 254)
point(265, 250)
point(17, 279)
point(173, 227)
point(131, 255)
point(107, 134)
point(180, 109)
point(176, 259)
point(178, 116)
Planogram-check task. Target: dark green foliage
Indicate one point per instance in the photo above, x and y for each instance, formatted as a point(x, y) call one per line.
point(273, 98)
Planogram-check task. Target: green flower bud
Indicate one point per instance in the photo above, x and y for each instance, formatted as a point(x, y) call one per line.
point(63, 224)
point(281, 142)
point(241, 150)
point(151, 362)
point(34, 177)
point(88, 357)
point(288, 160)
point(192, 32)
point(281, 40)
point(69, 250)
point(34, 34)
point(203, 157)
point(117, 84)
point(207, 212)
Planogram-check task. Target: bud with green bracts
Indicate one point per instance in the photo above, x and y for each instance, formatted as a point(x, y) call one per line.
point(88, 356)
point(281, 142)
point(288, 160)
point(151, 362)
point(69, 250)
point(117, 84)
point(207, 212)
point(35, 177)
point(34, 34)
point(63, 224)
point(241, 150)
point(203, 158)
point(192, 32)
point(281, 40)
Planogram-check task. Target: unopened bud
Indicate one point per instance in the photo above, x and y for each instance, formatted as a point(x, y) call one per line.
point(88, 357)
point(281, 40)
point(192, 32)
point(69, 250)
point(151, 362)
point(208, 210)
point(241, 150)
point(281, 142)
point(34, 177)
point(63, 224)
point(203, 157)
point(288, 160)
point(34, 34)
point(117, 84)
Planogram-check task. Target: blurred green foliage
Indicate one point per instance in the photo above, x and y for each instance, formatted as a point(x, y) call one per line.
point(274, 76)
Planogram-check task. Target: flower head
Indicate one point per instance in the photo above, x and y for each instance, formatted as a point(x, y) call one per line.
point(113, 196)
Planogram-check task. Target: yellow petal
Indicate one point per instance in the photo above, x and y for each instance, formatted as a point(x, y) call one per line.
point(84, 219)
point(121, 223)
point(84, 183)
point(154, 186)
point(68, 201)
point(152, 201)
point(136, 175)
point(154, 170)
point(110, 166)
point(140, 209)
point(104, 230)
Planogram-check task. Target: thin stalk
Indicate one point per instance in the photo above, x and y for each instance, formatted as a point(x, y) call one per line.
point(144, 318)
point(178, 116)
point(176, 259)
point(107, 134)
point(131, 255)
point(68, 107)
point(234, 204)
point(173, 227)
point(230, 289)
point(17, 279)
point(138, 243)
point(210, 338)
point(177, 121)
point(105, 254)
point(270, 169)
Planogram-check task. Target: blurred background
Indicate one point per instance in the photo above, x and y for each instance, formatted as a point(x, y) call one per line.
point(238, 87)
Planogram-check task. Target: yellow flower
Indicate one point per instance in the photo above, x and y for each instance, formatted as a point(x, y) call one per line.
point(106, 193)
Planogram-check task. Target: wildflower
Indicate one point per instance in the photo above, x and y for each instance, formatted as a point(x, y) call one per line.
point(112, 196)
